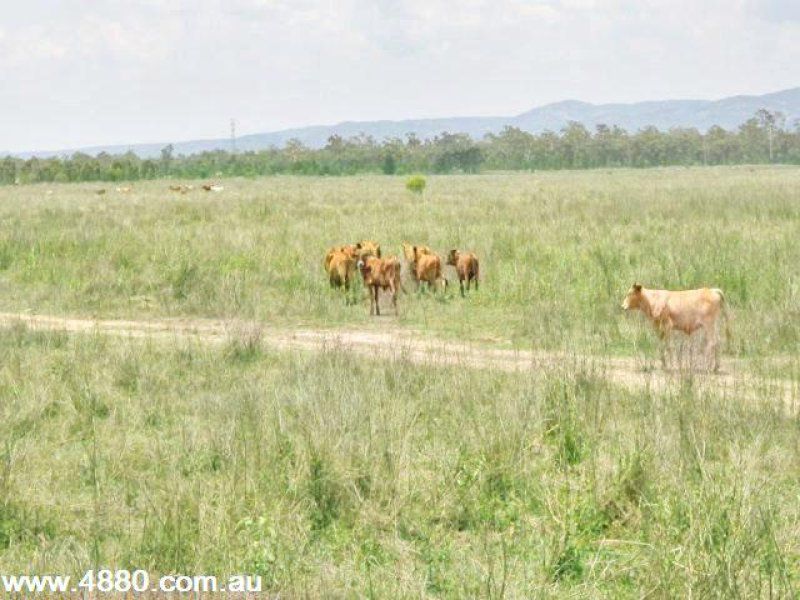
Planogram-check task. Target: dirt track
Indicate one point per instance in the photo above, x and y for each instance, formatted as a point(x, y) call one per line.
point(395, 343)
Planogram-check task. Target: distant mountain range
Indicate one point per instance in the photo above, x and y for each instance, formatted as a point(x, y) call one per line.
point(701, 114)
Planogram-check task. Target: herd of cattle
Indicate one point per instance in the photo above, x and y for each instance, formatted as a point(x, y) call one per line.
point(378, 273)
point(182, 188)
point(686, 311)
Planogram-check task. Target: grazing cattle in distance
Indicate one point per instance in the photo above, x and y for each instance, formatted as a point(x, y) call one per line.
point(124, 189)
point(100, 192)
point(428, 268)
point(183, 189)
point(380, 274)
point(466, 264)
point(212, 187)
point(686, 311)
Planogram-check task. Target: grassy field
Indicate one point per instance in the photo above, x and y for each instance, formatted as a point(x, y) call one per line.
point(558, 250)
point(332, 474)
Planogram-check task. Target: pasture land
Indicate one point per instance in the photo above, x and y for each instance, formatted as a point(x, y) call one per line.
point(558, 251)
point(200, 437)
point(332, 474)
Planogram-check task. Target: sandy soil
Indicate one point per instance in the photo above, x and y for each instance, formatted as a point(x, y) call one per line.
point(395, 343)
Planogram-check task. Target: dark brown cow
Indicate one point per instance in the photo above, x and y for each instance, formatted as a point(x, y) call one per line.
point(466, 264)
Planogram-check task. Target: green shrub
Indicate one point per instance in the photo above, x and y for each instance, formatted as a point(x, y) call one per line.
point(416, 184)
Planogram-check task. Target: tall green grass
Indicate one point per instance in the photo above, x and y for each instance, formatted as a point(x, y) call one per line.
point(336, 475)
point(558, 250)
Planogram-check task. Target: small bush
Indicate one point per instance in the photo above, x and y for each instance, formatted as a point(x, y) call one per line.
point(416, 184)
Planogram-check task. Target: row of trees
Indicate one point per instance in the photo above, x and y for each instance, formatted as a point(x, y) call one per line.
point(763, 139)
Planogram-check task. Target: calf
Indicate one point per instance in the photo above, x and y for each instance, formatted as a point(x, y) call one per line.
point(348, 249)
point(340, 270)
point(466, 264)
point(428, 268)
point(408, 251)
point(368, 248)
point(380, 274)
point(686, 311)
point(408, 254)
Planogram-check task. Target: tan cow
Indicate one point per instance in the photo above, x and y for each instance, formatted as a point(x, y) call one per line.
point(686, 311)
point(380, 274)
point(466, 264)
point(427, 268)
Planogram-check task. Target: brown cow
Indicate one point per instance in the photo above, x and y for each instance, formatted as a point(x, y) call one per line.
point(466, 264)
point(686, 311)
point(408, 251)
point(380, 274)
point(428, 268)
point(408, 254)
point(368, 248)
point(340, 270)
point(349, 249)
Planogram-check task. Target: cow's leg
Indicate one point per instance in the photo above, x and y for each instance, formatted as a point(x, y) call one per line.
point(476, 282)
point(712, 349)
point(663, 334)
point(377, 302)
point(394, 300)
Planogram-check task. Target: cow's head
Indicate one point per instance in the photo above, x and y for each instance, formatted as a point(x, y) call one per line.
point(633, 298)
point(364, 267)
point(452, 257)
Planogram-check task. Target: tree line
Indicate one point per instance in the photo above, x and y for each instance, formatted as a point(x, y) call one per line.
point(763, 139)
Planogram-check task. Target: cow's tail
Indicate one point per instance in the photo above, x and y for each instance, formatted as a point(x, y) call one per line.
point(726, 314)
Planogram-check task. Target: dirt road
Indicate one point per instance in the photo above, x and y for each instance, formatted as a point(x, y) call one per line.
point(736, 378)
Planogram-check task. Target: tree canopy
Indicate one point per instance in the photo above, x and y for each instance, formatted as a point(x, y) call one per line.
point(765, 138)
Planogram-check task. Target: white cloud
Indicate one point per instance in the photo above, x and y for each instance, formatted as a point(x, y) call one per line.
point(160, 70)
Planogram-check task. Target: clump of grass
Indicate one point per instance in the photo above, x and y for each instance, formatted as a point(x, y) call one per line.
point(245, 343)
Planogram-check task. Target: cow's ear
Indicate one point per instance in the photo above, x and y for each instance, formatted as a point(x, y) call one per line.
point(637, 287)
point(358, 245)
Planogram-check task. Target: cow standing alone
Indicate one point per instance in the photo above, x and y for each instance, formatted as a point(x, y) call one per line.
point(686, 311)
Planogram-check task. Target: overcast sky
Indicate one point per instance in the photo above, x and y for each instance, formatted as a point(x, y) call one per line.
point(79, 72)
